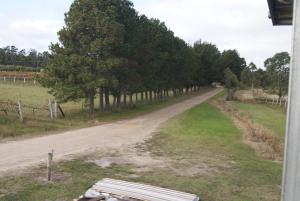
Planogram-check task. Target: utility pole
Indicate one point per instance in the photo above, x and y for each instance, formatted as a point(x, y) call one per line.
point(291, 176)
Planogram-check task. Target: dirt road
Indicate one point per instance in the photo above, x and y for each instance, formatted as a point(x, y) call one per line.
point(19, 154)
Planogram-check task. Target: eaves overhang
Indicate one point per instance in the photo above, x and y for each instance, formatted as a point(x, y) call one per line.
point(281, 11)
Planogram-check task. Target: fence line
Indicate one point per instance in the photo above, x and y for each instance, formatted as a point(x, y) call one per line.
point(17, 107)
point(273, 101)
point(18, 79)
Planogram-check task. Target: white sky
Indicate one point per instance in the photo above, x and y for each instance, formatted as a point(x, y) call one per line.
point(230, 24)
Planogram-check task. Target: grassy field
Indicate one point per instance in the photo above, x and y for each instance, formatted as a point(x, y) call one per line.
point(207, 154)
point(272, 117)
point(76, 115)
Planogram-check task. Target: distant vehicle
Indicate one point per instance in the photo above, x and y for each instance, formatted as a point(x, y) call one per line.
point(216, 84)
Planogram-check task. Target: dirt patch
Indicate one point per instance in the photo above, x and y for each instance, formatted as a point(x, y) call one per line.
point(262, 140)
point(130, 158)
point(144, 161)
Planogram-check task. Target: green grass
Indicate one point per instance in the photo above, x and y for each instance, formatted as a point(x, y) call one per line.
point(76, 115)
point(71, 178)
point(273, 118)
point(34, 95)
point(201, 136)
point(205, 133)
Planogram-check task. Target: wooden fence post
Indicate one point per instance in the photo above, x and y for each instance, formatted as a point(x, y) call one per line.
point(49, 165)
point(55, 110)
point(20, 111)
point(50, 109)
point(280, 102)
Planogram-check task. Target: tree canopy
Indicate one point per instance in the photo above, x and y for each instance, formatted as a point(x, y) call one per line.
point(11, 58)
point(106, 48)
point(277, 68)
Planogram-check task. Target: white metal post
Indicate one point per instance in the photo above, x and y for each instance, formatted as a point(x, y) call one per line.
point(291, 176)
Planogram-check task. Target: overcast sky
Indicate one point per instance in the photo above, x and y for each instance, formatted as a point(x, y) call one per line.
point(230, 24)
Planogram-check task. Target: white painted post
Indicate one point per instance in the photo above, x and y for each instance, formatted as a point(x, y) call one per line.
point(50, 109)
point(291, 176)
point(34, 82)
point(20, 111)
point(14, 79)
point(24, 79)
point(4, 78)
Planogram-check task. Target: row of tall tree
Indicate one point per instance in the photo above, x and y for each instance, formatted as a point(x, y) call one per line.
point(12, 56)
point(274, 77)
point(107, 49)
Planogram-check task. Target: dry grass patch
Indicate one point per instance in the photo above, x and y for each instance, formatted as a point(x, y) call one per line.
point(263, 140)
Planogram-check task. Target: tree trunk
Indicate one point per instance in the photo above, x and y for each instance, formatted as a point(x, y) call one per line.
point(136, 98)
point(114, 103)
point(142, 96)
point(130, 100)
point(125, 98)
point(101, 99)
point(91, 104)
point(119, 102)
point(150, 94)
point(147, 97)
point(107, 103)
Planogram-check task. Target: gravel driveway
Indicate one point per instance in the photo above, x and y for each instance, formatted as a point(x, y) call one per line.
point(23, 153)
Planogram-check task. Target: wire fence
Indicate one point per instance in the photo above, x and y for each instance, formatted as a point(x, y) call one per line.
point(19, 77)
point(259, 96)
point(53, 110)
